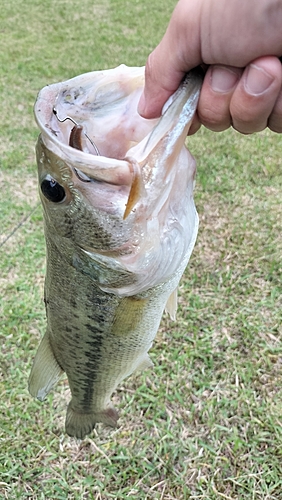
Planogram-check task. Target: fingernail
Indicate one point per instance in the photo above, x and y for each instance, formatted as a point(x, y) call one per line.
point(141, 108)
point(222, 79)
point(257, 80)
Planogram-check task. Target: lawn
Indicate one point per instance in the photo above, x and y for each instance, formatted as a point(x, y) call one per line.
point(206, 422)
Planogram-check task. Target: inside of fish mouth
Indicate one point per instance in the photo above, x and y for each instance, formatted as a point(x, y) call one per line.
point(76, 134)
point(109, 131)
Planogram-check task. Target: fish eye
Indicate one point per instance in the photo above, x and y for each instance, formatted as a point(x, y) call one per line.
point(52, 190)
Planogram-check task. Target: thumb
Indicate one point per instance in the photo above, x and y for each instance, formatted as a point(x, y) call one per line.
point(177, 53)
point(162, 78)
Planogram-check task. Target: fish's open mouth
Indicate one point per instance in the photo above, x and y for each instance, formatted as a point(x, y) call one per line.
point(92, 124)
point(94, 113)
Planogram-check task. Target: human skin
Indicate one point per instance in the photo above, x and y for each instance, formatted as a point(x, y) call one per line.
point(239, 43)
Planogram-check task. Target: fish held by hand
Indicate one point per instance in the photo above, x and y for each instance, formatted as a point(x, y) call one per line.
point(120, 225)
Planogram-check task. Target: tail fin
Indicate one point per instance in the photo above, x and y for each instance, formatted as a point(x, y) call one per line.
point(45, 372)
point(80, 424)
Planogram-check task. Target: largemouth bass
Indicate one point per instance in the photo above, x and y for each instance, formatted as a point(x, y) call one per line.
point(120, 225)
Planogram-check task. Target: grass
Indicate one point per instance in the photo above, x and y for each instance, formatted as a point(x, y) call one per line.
point(206, 422)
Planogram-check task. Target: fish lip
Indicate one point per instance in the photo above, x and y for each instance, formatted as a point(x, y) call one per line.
point(80, 177)
point(95, 177)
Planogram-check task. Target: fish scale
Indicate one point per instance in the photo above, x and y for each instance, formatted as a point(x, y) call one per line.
point(119, 233)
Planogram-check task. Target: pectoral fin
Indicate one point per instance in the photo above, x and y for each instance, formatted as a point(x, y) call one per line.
point(45, 372)
point(171, 305)
point(144, 364)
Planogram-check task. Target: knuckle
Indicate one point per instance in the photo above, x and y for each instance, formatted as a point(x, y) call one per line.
point(275, 118)
point(248, 117)
point(214, 116)
point(275, 124)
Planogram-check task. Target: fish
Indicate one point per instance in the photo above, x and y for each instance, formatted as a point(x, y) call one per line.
point(120, 225)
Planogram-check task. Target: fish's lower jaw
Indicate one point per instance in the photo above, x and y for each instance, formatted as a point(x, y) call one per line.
point(80, 424)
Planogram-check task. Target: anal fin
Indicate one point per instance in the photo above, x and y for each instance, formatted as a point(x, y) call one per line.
point(45, 372)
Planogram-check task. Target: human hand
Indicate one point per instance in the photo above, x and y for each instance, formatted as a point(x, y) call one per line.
point(240, 42)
